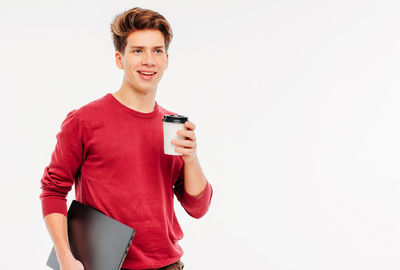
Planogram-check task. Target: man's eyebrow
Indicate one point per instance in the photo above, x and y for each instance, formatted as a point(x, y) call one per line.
point(141, 47)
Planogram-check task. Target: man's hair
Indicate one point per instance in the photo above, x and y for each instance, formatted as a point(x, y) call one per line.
point(138, 19)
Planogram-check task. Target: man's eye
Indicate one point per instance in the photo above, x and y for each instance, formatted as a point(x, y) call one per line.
point(137, 50)
point(159, 51)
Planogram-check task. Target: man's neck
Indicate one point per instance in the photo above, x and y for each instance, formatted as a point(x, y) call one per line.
point(141, 102)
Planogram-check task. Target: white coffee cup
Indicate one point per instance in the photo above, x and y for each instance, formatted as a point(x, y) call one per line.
point(171, 124)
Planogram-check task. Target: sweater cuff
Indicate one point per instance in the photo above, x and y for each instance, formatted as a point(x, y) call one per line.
point(54, 205)
point(194, 200)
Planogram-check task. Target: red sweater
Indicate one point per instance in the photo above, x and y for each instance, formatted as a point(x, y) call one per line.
point(116, 159)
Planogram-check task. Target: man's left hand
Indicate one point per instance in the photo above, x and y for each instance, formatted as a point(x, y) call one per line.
point(187, 147)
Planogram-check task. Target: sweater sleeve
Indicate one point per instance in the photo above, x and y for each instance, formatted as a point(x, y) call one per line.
point(60, 174)
point(195, 206)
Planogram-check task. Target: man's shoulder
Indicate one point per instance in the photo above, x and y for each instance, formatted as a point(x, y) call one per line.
point(93, 108)
point(164, 111)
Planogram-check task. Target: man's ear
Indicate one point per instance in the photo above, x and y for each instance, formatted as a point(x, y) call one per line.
point(118, 60)
point(166, 65)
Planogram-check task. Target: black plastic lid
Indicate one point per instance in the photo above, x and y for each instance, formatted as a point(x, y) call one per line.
point(172, 118)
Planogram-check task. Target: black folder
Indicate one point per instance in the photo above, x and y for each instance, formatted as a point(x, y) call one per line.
point(96, 240)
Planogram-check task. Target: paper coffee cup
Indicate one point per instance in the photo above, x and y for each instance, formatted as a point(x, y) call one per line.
point(171, 124)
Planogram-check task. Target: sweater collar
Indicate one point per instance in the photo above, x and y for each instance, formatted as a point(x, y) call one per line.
point(122, 107)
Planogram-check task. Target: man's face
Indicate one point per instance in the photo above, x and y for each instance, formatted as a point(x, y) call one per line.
point(144, 53)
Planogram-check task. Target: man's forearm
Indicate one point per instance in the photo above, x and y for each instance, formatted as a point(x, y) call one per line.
point(56, 224)
point(195, 180)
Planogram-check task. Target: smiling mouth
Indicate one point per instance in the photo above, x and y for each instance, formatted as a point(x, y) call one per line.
point(147, 75)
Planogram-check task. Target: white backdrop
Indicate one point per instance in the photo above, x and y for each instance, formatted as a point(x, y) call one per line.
point(297, 111)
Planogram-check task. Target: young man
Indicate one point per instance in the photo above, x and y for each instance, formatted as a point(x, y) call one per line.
point(112, 149)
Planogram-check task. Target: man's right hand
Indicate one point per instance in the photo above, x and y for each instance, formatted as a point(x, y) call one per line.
point(58, 228)
point(72, 264)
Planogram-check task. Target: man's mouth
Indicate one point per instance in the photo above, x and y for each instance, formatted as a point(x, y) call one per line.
point(147, 75)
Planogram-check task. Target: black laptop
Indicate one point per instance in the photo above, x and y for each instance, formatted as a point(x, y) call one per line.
point(96, 240)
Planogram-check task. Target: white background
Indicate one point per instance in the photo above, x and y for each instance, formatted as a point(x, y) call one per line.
point(297, 111)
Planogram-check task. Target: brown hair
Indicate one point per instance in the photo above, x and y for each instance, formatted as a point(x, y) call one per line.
point(137, 19)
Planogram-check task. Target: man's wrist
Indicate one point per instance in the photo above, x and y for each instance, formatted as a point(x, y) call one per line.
point(192, 161)
point(65, 255)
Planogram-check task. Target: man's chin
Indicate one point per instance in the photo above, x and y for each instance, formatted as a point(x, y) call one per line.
point(144, 89)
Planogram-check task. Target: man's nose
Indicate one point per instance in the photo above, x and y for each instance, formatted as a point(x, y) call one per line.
point(148, 59)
